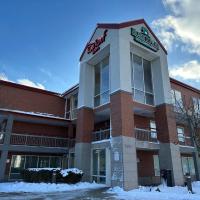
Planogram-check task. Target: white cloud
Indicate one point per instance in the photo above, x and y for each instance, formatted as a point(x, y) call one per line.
point(30, 83)
point(182, 25)
point(187, 71)
point(24, 81)
point(3, 77)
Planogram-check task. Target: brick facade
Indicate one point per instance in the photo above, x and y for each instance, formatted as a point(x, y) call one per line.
point(122, 114)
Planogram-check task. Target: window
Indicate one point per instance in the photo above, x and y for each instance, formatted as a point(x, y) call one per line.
point(188, 165)
point(20, 162)
point(101, 91)
point(31, 162)
point(156, 165)
point(142, 80)
point(17, 164)
point(71, 160)
point(196, 104)
point(55, 162)
point(180, 132)
point(177, 100)
point(71, 106)
point(43, 162)
point(153, 129)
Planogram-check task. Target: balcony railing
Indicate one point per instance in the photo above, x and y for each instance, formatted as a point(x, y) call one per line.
point(101, 135)
point(44, 141)
point(185, 141)
point(145, 135)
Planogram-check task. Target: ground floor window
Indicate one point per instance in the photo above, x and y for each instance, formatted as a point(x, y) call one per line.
point(71, 160)
point(156, 165)
point(99, 165)
point(188, 165)
point(20, 162)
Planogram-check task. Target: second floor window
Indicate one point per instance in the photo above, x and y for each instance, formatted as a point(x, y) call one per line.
point(196, 104)
point(177, 100)
point(101, 91)
point(142, 80)
point(180, 132)
point(153, 129)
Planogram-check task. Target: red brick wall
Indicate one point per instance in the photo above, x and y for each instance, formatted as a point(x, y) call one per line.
point(166, 124)
point(122, 114)
point(142, 122)
point(85, 125)
point(29, 100)
point(39, 129)
point(145, 164)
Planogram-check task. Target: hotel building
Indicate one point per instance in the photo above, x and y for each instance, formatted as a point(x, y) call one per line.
point(117, 124)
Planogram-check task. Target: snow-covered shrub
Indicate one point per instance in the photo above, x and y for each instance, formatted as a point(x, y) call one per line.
point(72, 175)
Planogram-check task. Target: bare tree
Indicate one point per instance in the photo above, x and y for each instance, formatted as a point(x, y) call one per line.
point(187, 112)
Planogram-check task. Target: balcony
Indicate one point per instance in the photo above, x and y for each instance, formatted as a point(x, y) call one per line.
point(40, 141)
point(101, 135)
point(145, 135)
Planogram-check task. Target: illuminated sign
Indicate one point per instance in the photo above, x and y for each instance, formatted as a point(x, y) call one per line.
point(144, 39)
point(93, 47)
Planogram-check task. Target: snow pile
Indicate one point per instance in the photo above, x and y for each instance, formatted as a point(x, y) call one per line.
point(46, 187)
point(39, 169)
point(150, 193)
point(65, 172)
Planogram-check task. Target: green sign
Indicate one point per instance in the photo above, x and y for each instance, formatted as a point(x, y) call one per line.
point(144, 39)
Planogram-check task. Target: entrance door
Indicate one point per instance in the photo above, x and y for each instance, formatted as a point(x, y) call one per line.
point(99, 166)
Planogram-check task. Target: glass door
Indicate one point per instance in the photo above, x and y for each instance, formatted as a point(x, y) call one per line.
point(99, 166)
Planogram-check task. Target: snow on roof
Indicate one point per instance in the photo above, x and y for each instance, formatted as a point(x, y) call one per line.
point(39, 114)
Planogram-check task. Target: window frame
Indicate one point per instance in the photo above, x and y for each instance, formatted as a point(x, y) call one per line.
point(174, 99)
point(132, 80)
point(178, 134)
point(106, 91)
point(188, 165)
point(153, 130)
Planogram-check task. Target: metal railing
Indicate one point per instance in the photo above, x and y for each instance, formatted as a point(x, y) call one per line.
point(35, 140)
point(101, 135)
point(185, 141)
point(145, 135)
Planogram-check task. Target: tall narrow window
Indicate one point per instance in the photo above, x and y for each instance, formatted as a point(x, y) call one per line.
point(153, 129)
point(196, 104)
point(180, 132)
point(156, 165)
point(177, 100)
point(142, 80)
point(101, 91)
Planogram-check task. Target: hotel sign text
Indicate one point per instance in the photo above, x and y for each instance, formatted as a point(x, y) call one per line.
point(93, 47)
point(144, 39)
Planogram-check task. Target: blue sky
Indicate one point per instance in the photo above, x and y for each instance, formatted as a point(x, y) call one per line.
point(41, 40)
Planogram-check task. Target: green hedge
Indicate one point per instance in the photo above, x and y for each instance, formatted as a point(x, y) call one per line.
point(35, 175)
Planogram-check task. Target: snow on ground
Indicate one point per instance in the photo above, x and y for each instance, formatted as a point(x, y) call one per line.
point(46, 187)
point(167, 193)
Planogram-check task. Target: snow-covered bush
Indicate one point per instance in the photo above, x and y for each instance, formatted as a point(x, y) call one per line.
point(72, 175)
